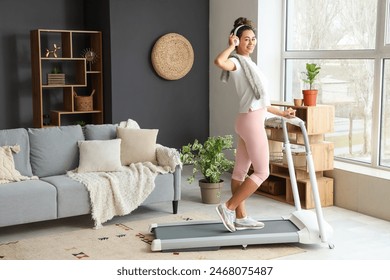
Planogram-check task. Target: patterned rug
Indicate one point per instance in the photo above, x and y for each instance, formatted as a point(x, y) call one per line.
point(127, 241)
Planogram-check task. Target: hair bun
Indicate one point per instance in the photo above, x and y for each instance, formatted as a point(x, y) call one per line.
point(243, 21)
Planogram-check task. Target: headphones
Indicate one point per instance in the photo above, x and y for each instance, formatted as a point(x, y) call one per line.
point(238, 27)
point(237, 42)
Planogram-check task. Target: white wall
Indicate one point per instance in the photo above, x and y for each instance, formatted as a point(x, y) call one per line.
point(223, 99)
point(269, 44)
point(361, 189)
point(268, 17)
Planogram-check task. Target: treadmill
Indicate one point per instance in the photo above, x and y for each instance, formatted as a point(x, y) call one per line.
point(301, 226)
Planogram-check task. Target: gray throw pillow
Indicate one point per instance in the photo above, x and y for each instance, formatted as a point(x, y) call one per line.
point(100, 131)
point(54, 150)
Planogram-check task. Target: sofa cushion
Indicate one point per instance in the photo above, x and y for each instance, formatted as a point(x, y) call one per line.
point(138, 145)
point(26, 202)
point(100, 131)
point(73, 197)
point(18, 136)
point(100, 156)
point(54, 150)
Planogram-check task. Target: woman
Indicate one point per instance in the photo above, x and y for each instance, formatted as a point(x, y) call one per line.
point(252, 146)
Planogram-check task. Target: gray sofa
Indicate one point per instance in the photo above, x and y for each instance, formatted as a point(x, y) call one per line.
point(49, 153)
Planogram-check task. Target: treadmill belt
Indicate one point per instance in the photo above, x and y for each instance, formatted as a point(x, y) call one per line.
point(213, 234)
point(212, 229)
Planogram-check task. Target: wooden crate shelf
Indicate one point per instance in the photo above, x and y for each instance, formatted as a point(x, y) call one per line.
point(325, 188)
point(318, 121)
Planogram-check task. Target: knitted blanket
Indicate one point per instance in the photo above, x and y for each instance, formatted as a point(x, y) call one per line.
point(119, 193)
point(8, 172)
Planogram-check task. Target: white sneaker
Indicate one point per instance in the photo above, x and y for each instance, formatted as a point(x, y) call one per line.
point(227, 216)
point(248, 223)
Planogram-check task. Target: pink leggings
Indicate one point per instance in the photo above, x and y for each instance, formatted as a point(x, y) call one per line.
point(252, 147)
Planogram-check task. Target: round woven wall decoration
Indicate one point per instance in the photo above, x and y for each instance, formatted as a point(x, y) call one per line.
point(172, 56)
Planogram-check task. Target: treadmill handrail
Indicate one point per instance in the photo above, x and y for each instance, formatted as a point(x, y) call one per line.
point(294, 121)
point(277, 121)
point(312, 174)
point(291, 169)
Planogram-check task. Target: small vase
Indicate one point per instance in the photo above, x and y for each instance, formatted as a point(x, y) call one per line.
point(298, 102)
point(310, 97)
point(210, 192)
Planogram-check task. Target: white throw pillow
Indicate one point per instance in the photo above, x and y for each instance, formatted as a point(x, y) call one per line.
point(138, 145)
point(100, 156)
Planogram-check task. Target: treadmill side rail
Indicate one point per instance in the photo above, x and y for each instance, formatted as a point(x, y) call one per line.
point(309, 232)
point(152, 227)
point(214, 242)
point(156, 245)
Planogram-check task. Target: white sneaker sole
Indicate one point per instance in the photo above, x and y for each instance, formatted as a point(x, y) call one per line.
point(246, 228)
point(243, 227)
point(224, 222)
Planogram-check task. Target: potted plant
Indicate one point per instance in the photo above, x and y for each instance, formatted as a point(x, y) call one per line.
point(310, 95)
point(210, 160)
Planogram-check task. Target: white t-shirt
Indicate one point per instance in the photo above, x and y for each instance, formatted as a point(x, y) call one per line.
point(248, 101)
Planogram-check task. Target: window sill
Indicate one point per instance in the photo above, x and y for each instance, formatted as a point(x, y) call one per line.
point(365, 170)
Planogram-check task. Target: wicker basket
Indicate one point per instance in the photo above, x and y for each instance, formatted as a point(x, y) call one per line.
point(84, 103)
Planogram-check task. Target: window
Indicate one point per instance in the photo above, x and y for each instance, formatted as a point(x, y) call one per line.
point(331, 24)
point(348, 39)
point(385, 131)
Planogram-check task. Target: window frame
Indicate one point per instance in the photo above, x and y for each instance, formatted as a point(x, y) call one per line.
point(378, 54)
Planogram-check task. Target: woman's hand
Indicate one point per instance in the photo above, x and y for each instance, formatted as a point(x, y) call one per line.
point(289, 113)
point(233, 40)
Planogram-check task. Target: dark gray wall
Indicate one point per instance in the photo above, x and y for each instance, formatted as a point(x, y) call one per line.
point(17, 18)
point(97, 17)
point(180, 109)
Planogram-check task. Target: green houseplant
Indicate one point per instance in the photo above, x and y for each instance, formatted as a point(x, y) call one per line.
point(310, 95)
point(210, 160)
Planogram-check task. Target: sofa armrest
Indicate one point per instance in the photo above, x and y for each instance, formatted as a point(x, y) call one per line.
point(168, 157)
point(177, 183)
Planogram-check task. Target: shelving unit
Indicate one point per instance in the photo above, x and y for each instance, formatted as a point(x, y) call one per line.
point(318, 121)
point(53, 102)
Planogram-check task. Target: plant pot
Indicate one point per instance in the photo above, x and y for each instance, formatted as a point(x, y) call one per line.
point(310, 97)
point(210, 192)
point(298, 102)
